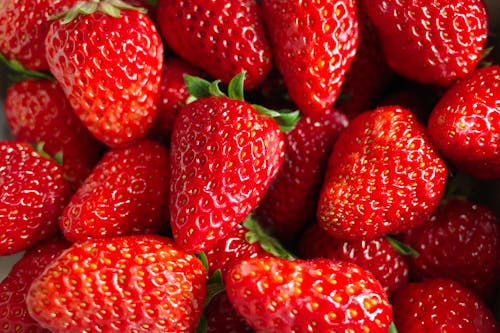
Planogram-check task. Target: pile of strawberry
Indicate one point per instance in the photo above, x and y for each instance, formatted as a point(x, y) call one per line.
point(249, 166)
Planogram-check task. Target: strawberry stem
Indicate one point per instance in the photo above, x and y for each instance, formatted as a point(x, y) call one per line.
point(402, 248)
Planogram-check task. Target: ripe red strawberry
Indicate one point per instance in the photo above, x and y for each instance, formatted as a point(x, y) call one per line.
point(290, 203)
point(377, 256)
point(461, 241)
point(125, 284)
point(430, 41)
point(33, 192)
point(23, 27)
point(222, 164)
point(38, 111)
point(440, 305)
point(173, 95)
point(109, 68)
point(465, 124)
point(126, 193)
point(320, 295)
point(383, 176)
point(221, 37)
point(222, 317)
point(14, 316)
point(313, 44)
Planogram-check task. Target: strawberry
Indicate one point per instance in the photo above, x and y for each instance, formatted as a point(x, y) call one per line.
point(14, 316)
point(23, 28)
point(221, 37)
point(173, 95)
point(33, 192)
point(290, 203)
point(313, 44)
point(464, 125)
point(461, 241)
point(38, 111)
point(124, 284)
point(440, 305)
point(109, 68)
point(383, 176)
point(430, 41)
point(126, 193)
point(377, 256)
point(222, 164)
point(320, 295)
point(222, 317)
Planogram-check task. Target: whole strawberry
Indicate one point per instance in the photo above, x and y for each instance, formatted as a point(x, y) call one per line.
point(430, 41)
point(126, 193)
point(14, 288)
point(440, 305)
point(313, 44)
point(224, 156)
point(222, 37)
point(125, 284)
point(290, 203)
point(23, 28)
point(461, 241)
point(378, 256)
point(33, 192)
point(465, 124)
point(320, 295)
point(383, 176)
point(108, 62)
point(38, 111)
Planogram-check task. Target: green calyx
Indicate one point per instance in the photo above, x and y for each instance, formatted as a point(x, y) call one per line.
point(109, 7)
point(269, 244)
point(20, 73)
point(402, 248)
point(392, 328)
point(58, 157)
point(199, 88)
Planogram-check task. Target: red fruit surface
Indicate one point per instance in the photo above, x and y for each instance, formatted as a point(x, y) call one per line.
point(110, 70)
point(313, 44)
point(465, 124)
point(277, 295)
point(290, 202)
point(430, 41)
point(23, 27)
point(125, 284)
point(126, 193)
point(33, 192)
point(222, 317)
point(38, 111)
point(221, 37)
point(383, 176)
point(441, 305)
point(461, 241)
point(222, 164)
point(377, 256)
point(14, 316)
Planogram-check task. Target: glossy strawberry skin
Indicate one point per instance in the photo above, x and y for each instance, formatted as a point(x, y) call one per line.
point(124, 284)
point(461, 241)
point(290, 202)
point(126, 193)
point(222, 317)
point(277, 295)
point(383, 176)
point(377, 256)
point(440, 305)
point(313, 43)
point(430, 41)
point(38, 111)
point(221, 37)
point(23, 29)
point(14, 316)
point(110, 79)
point(222, 164)
point(33, 193)
point(464, 125)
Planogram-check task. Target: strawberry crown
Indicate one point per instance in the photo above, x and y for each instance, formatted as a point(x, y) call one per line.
point(109, 7)
point(199, 88)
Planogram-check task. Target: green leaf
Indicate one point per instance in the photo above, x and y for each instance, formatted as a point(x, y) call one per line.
point(392, 328)
point(235, 89)
point(109, 7)
point(285, 118)
point(214, 89)
point(402, 248)
point(215, 286)
point(197, 87)
point(271, 245)
point(202, 326)
point(21, 73)
point(204, 260)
